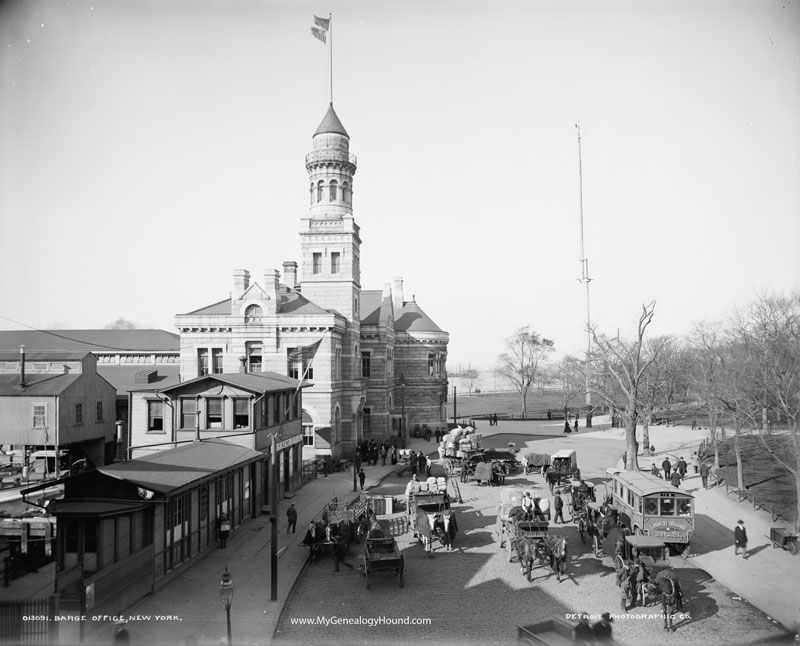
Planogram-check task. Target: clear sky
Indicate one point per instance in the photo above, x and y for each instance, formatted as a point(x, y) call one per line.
point(149, 148)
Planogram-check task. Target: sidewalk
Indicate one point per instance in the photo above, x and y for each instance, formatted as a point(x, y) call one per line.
point(189, 611)
point(768, 578)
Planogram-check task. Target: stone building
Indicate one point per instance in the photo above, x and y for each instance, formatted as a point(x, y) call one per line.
point(378, 355)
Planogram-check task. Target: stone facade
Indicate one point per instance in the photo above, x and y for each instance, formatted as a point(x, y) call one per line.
point(368, 340)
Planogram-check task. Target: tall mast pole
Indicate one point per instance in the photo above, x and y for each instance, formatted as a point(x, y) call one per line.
point(330, 24)
point(585, 280)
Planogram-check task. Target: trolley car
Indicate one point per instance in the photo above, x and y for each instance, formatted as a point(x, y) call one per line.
point(648, 505)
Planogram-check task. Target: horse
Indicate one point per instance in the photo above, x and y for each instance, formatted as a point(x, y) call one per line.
point(526, 553)
point(315, 537)
point(445, 529)
point(557, 553)
point(667, 585)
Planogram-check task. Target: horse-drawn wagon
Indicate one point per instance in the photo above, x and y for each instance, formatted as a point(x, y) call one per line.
point(563, 468)
point(528, 541)
point(531, 462)
point(383, 555)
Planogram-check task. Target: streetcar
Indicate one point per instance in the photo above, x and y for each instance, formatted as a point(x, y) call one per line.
point(650, 506)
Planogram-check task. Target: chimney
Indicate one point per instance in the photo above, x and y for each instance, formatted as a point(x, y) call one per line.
point(290, 273)
point(397, 293)
point(272, 281)
point(241, 281)
point(22, 366)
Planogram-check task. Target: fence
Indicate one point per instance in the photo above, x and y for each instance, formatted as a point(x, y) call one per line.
point(29, 621)
point(743, 495)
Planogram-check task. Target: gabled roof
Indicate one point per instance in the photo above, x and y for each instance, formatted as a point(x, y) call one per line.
point(92, 340)
point(331, 124)
point(370, 307)
point(255, 382)
point(290, 303)
point(123, 378)
point(36, 385)
point(411, 318)
point(172, 469)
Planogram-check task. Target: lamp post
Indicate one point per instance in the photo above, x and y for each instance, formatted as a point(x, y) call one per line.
point(226, 594)
point(403, 411)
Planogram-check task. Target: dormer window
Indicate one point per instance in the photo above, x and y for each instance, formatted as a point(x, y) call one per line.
point(333, 190)
point(253, 314)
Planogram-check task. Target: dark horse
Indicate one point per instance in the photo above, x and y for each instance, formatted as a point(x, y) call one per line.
point(551, 550)
point(667, 585)
point(445, 529)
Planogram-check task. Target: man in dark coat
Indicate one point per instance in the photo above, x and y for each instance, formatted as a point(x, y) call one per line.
point(704, 470)
point(667, 466)
point(361, 478)
point(682, 468)
point(558, 505)
point(567, 429)
point(740, 539)
point(291, 516)
point(675, 479)
point(422, 463)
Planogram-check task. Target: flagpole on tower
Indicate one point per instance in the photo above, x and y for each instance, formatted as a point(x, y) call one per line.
point(330, 18)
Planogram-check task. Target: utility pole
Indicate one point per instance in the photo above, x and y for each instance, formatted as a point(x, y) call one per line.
point(585, 280)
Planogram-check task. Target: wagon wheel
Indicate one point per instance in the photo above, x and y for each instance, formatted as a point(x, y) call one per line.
point(500, 532)
point(638, 531)
point(791, 546)
point(447, 465)
point(366, 571)
point(597, 546)
point(619, 564)
point(401, 572)
point(510, 549)
point(582, 530)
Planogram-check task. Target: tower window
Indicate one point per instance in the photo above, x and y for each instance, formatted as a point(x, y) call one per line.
point(320, 186)
point(316, 263)
point(311, 193)
point(335, 262)
point(333, 190)
point(346, 193)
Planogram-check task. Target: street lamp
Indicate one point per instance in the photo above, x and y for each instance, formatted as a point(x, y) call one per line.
point(226, 594)
point(403, 438)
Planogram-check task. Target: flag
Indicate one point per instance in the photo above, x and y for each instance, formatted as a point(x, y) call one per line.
point(318, 33)
point(324, 23)
point(305, 353)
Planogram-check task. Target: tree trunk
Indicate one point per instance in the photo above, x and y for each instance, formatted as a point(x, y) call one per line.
point(738, 451)
point(630, 436)
point(647, 418)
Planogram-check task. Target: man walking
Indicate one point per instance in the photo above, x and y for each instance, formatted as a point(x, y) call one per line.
point(291, 516)
point(740, 539)
point(705, 468)
point(558, 505)
point(361, 477)
point(667, 466)
point(675, 479)
point(682, 468)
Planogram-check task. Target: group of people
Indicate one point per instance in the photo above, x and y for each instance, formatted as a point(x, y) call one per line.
point(370, 452)
point(567, 428)
point(493, 419)
point(420, 464)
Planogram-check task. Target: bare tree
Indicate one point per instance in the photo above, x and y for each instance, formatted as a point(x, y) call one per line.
point(627, 362)
point(569, 375)
point(770, 330)
point(706, 376)
point(526, 350)
point(470, 376)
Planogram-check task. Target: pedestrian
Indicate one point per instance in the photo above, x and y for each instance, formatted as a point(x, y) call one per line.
point(291, 516)
point(223, 529)
point(654, 470)
point(625, 460)
point(602, 629)
point(695, 462)
point(575, 426)
point(558, 505)
point(121, 636)
point(567, 429)
point(682, 468)
point(549, 415)
point(384, 453)
point(495, 419)
point(394, 454)
point(675, 478)
point(423, 465)
point(583, 634)
point(740, 539)
point(652, 450)
point(412, 458)
point(704, 470)
point(667, 466)
point(361, 477)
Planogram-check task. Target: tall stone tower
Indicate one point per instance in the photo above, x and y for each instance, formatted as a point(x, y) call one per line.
point(330, 249)
point(329, 240)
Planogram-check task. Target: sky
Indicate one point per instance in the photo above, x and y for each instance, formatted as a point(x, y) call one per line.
point(149, 148)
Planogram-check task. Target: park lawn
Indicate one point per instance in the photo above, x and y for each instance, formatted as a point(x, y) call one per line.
point(767, 482)
point(509, 404)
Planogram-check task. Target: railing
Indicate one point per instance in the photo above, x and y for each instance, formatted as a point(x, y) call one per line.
point(743, 495)
point(331, 154)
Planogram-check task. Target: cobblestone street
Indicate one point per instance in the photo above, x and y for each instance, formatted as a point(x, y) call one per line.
point(474, 594)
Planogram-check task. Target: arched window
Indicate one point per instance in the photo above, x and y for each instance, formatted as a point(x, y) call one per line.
point(346, 193)
point(320, 185)
point(253, 314)
point(311, 193)
point(334, 186)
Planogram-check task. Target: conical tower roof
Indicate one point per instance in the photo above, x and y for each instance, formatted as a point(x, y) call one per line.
point(331, 124)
